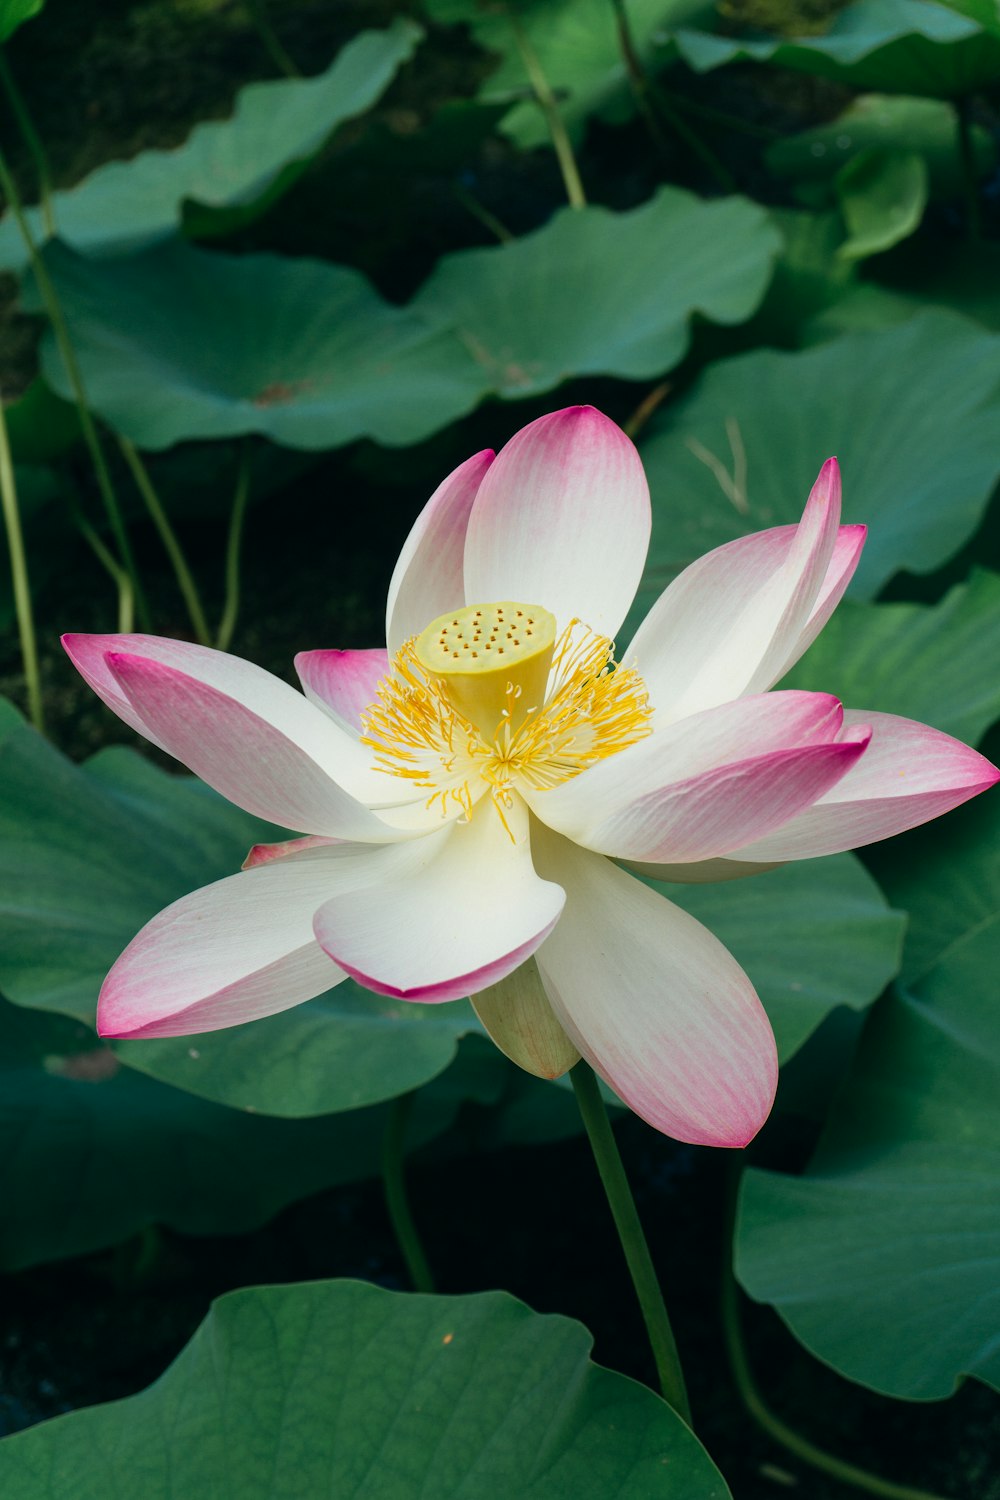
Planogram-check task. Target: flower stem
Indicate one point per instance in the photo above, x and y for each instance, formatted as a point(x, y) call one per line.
point(633, 1241)
point(60, 329)
point(970, 180)
point(231, 608)
point(550, 109)
point(794, 1442)
point(32, 140)
point(395, 1194)
point(172, 547)
point(269, 37)
point(113, 568)
point(19, 578)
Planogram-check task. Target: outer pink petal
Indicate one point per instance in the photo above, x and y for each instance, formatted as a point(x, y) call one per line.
point(711, 814)
point(243, 947)
point(909, 774)
point(428, 577)
point(562, 520)
point(733, 732)
point(343, 683)
point(243, 755)
point(468, 920)
point(736, 619)
point(656, 1004)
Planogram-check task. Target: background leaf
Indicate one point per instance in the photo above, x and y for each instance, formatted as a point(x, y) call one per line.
point(338, 1389)
point(224, 164)
point(768, 421)
point(882, 195)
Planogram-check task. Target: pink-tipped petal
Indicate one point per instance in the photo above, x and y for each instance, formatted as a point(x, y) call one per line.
point(241, 948)
point(736, 620)
point(562, 519)
point(247, 757)
point(708, 815)
point(908, 775)
point(764, 724)
point(470, 918)
point(266, 854)
point(428, 577)
point(342, 683)
point(655, 1003)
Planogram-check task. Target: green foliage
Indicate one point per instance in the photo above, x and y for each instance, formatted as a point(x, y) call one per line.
point(227, 172)
point(13, 13)
point(884, 1257)
point(339, 1389)
point(178, 343)
point(895, 46)
point(923, 662)
point(740, 452)
point(882, 195)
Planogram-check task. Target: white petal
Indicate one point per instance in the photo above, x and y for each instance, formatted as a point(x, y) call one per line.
point(562, 520)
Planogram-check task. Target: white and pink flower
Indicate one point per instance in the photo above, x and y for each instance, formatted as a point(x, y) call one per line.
point(465, 792)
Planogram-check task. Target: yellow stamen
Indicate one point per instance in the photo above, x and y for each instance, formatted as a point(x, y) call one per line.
point(460, 732)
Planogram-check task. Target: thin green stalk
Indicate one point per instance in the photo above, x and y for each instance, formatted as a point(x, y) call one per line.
point(397, 1202)
point(645, 96)
point(794, 1442)
point(231, 608)
point(550, 109)
point(172, 547)
point(633, 1241)
point(32, 140)
point(59, 328)
point(970, 180)
point(116, 572)
point(268, 35)
point(19, 577)
point(478, 211)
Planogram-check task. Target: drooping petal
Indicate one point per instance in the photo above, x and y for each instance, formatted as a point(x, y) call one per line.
point(470, 917)
point(519, 1018)
point(735, 620)
point(277, 764)
point(342, 683)
point(733, 732)
point(241, 948)
point(909, 774)
point(709, 815)
point(562, 519)
point(428, 576)
point(655, 1003)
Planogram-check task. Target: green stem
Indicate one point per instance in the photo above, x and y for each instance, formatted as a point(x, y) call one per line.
point(395, 1194)
point(478, 211)
point(633, 1241)
point(32, 140)
point(269, 37)
point(970, 180)
point(19, 577)
point(550, 109)
point(116, 572)
point(794, 1442)
point(172, 547)
point(231, 608)
point(59, 328)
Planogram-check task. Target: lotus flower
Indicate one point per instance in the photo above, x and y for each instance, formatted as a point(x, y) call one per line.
point(466, 792)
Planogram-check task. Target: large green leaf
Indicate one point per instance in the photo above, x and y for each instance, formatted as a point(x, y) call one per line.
point(894, 46)
point(14, 12)
point(94, 1152)
point(177, 343)
point(339, 1389)
point(601, 293)
point(921, 661)
point(911, 410)
point(88, 854)
point(577, 47)
point(811, 936)
point(883, 122)
point(243, 163)
point(884, 1258)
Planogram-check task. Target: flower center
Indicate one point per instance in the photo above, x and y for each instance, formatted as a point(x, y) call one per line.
point(487, 699)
